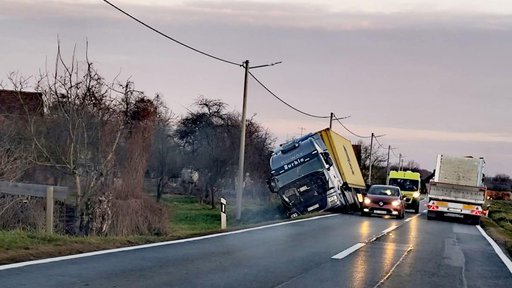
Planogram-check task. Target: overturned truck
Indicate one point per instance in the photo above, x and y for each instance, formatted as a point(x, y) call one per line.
point(316, 172)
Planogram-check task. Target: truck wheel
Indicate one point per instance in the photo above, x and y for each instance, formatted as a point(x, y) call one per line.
point(417, 208)
point(475, 220)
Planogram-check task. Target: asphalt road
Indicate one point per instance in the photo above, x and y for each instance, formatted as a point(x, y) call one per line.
point(414, 253)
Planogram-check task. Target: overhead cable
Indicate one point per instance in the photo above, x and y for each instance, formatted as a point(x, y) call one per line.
point(380, 145)
point(285, 103)
point(393, 151)
point(171, 38)
point(349, 131)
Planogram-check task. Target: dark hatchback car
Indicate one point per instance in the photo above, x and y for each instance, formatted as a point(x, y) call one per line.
point(383, 200)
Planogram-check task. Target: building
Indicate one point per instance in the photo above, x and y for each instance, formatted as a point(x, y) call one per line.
point(19, 103)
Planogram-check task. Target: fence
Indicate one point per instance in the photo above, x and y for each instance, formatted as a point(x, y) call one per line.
point(43, 191)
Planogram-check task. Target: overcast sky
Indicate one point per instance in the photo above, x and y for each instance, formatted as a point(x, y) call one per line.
point(433, 76)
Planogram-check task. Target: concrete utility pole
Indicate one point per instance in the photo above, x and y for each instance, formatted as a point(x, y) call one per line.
point(241, 157)
point(370, 170)
point(400, 162)
point(387, 166)
point(330, 121)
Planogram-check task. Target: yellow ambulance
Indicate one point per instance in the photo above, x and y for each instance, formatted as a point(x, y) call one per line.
point(410, 184)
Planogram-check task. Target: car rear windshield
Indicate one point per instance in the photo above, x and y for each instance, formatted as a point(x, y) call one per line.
point(384, 191)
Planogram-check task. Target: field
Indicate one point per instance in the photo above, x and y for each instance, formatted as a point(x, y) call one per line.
point(188, 218)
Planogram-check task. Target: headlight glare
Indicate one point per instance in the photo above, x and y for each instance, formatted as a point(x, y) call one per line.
point(367, 200)
point(396, 203)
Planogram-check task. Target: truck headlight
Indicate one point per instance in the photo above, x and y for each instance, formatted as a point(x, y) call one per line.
point(416, 194)
point(367, 200)
point(396, 203)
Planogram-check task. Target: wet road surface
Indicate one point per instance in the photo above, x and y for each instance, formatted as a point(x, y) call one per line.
point(315, 252)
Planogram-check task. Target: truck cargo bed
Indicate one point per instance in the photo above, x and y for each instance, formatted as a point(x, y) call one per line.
point(460, 193)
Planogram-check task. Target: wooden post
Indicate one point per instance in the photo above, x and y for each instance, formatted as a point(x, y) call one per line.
point(49, 210)
point(223, 222)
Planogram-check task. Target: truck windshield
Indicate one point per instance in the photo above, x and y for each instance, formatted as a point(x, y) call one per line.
point(405, 184)
point(299, 171)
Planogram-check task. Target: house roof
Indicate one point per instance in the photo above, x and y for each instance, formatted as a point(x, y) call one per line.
point(20, 102)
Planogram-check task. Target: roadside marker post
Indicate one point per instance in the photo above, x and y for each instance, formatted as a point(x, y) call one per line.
point(49, 210)
point(223, 221)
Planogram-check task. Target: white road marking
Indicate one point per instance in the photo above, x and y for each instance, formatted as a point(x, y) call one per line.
point(389, 229)
point(101, 252)
point(497, 249)
point(393, 268)
point(348, 251)
point(357, 246)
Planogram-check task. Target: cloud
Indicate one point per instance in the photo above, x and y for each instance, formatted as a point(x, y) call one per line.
point(327, 15)
point(447, 136)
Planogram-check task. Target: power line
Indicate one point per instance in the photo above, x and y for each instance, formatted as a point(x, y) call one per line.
point(285, 103)
point(357, 135)
point(379, 144)
point(393, 151)
point(382, 146)
point(171, 38)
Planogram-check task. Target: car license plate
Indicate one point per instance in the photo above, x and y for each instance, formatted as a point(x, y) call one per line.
point(453, 215)
point(455, 209)
point(380, 212)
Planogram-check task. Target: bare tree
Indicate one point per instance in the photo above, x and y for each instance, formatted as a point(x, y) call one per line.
point(210, 138)
point(15, 154)
point(378, 163)
point(164, 151)
point(84, 127)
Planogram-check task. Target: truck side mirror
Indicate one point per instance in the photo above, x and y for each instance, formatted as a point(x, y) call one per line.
point(271, 185)
point(327, 159)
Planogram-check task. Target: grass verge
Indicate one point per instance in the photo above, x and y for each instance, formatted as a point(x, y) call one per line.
point(188, 218)
point(499, 224)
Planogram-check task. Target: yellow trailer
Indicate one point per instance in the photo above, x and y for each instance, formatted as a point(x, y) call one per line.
point(342, 152)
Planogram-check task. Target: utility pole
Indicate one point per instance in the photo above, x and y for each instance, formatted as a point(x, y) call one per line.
point(370, 170)
point(330, 121)
point(387, 166)
point(400, 162)
point(241, 157)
